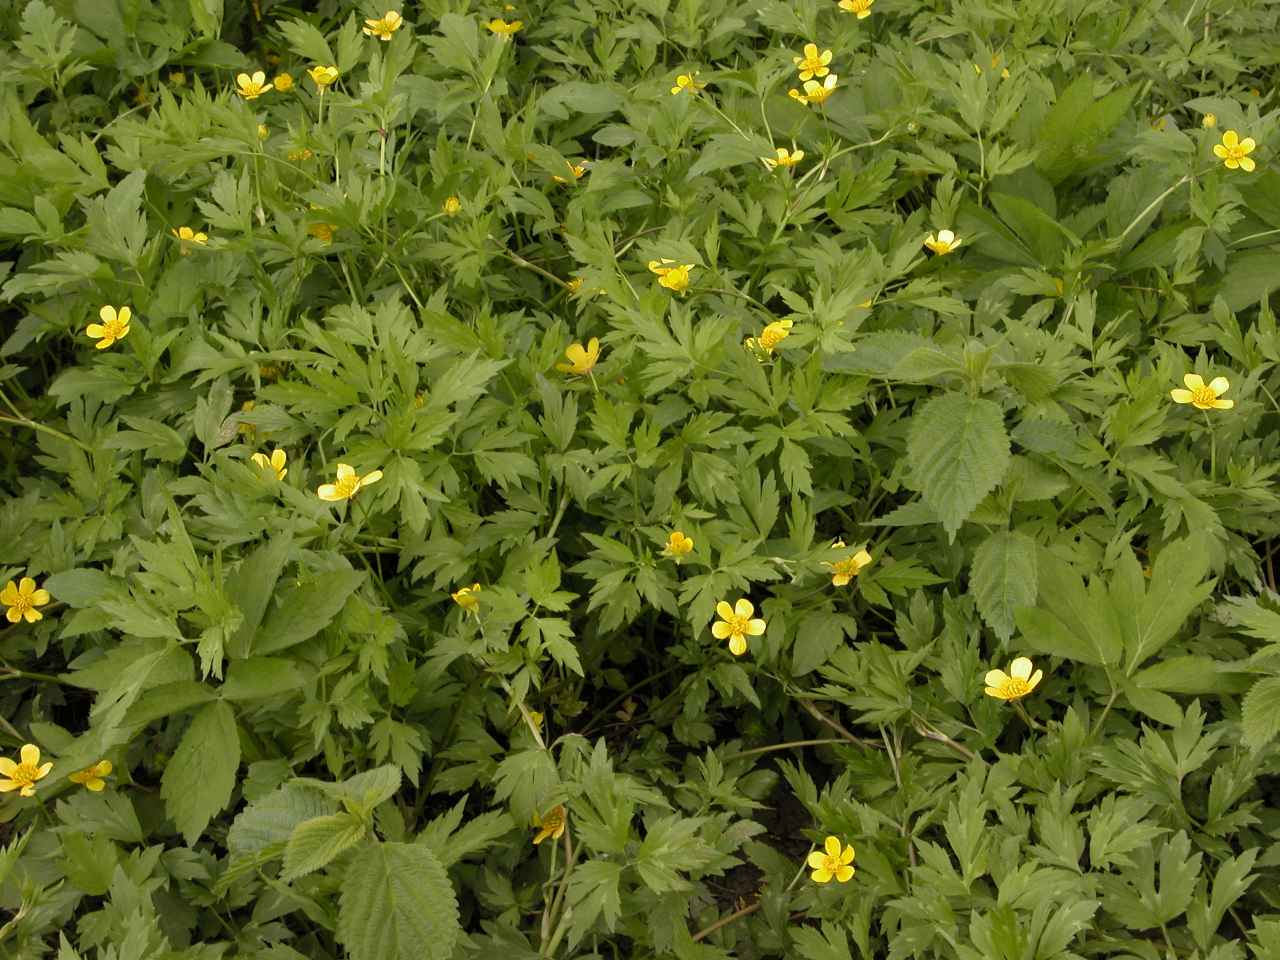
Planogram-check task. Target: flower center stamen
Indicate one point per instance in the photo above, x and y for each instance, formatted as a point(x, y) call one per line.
point(1203, 395)
point(346, 487)
point(1014, 687)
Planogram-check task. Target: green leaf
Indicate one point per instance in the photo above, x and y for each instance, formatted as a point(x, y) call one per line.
point(364, 791)
point(252, 584)
point(818, 636)
point(306, 41)
point(958, 451)
point(260, 677)
point(198, 781)
point(1004, 578)
point(81, 588)
point(273, 819)
point(594, 895)
point(1261, 713)
point(314, 843)
point(306, 609)
point(1175, 589)
point(397, 904)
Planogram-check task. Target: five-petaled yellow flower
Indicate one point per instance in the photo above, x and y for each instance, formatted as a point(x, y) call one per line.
point(859, 8)
point(385, 26)
point(577, 169)
point(252, 87)
point(736, 623)
point(835, 860)
point(582, 360)
point(323, 77)
point(812, 64)
point(1203, 396)
point(678, 545)
point(783, 158)
point(467, 597)
point(503, 29)
point(550, 824)
point(674, 278)
point(452, 206)
point(283, 82)
point(1209, 121)
point(943, 243)
point(114, 326)
point(1234, 152)
point(815, 92)
point(688, 81)
point(347, 485)
point(275, 462)
point(1015, 684)
point(23, 776)
point(92, 777)
point(22, 598)
point(842, 571)
point(186, 235)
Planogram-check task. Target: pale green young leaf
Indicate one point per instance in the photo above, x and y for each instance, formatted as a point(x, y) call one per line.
point(314, 843)
point(1004, 578)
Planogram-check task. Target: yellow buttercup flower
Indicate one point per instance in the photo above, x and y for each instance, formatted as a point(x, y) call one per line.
point(22, 599)
point(812, 64)
point(582, 360)
point(114, 326)
point(842, 571)
point(943, 243)
point(347, 484)
point(283, 82)
point(550, 824)
point(323, 231)
point(678, 545)
point(297, 156)
point(187, 236)
point(834, 860)
point(859, 8)
point(674, 278)
point(23, 776)
point(467, 597)
point(814, 92)
point(688, 81)
point(1234, 152)
point(783, 158)
point(1015, 684)
point(1203, 396)
point(384, 26)
point(736, 623)
point(452, 206)
point(577, 169)
point(774, 334)
point(1209, 121)
point(503, 29)
point(276, 462)
point(263, 132)
point(323, 77)
point(92, 777)
point(251, 87)
point(574, 284)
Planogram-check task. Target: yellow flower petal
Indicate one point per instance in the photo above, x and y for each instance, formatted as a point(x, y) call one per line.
point(1193, 381)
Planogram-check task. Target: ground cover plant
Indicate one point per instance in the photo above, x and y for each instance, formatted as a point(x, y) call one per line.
point(677, 478)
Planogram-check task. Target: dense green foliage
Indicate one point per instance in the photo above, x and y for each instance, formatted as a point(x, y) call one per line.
point(336, 725)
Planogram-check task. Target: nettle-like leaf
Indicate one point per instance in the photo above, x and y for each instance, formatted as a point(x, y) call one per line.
point(198, 781)
point(397, 904)
point(958, 451)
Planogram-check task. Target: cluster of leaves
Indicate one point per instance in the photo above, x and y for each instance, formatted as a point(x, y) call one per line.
point(291, 717)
